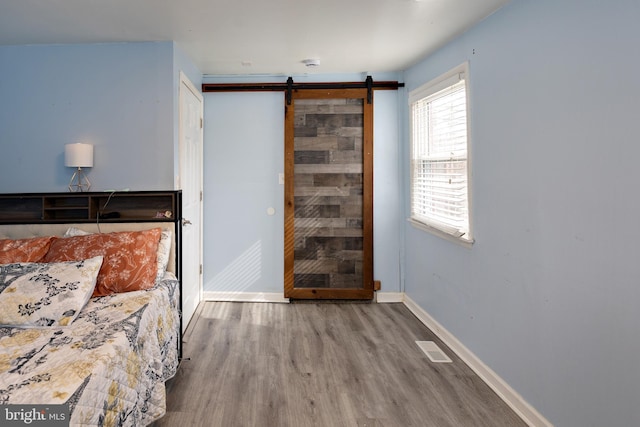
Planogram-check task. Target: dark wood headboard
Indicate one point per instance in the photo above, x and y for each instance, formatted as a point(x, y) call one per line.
point(99, 208)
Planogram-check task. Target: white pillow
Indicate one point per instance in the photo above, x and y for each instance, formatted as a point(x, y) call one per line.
point(73, 231)
point(36, 295)
point(164, 248)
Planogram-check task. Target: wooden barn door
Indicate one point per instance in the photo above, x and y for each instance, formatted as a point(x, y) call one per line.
point(329, 195)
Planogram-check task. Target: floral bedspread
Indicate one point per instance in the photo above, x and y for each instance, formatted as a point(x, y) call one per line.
point(109, 365)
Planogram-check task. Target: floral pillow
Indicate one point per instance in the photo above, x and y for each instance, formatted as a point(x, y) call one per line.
point(129, 258)
point(164, 247)
point(23, 250)
point(36, 295)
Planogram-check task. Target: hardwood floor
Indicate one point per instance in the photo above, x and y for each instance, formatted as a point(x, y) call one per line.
point(322, 364)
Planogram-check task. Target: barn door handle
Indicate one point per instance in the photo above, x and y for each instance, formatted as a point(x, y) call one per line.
point(185, 222)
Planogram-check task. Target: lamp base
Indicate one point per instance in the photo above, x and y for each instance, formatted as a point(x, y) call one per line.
point(79, 182)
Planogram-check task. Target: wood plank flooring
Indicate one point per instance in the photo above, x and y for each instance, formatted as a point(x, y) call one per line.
point(322, 364)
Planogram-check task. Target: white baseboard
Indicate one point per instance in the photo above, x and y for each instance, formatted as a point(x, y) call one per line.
point(388, 297)
point(244, 296)
point(528, 413)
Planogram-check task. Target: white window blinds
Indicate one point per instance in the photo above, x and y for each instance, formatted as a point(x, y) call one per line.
point(439, 195)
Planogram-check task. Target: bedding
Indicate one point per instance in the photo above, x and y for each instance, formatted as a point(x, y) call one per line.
point(106, 357)
point(109, 365)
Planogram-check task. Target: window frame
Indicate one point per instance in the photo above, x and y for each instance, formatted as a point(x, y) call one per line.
point(426, 90)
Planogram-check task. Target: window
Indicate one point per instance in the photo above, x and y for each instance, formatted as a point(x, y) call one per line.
point(439, 161)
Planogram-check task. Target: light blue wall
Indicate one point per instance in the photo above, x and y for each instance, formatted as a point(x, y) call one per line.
point(244, 152)
point(121, 97)
point(548, 295)
point(387, 189)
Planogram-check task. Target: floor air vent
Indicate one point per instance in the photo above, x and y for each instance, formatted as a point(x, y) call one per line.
point(433, 352)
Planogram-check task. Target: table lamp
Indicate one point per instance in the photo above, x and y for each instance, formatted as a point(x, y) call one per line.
point(78, 156)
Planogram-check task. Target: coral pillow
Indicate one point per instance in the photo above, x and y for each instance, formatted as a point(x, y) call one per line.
point(129, 258)
point(24, 250)
point(164, 247)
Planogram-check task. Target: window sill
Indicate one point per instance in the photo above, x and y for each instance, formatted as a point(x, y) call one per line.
point(437, 232)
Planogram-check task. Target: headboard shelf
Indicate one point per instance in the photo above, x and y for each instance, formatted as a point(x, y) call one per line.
point(125, 206)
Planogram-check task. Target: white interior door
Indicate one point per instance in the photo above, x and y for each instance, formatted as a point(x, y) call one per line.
point(190, 182)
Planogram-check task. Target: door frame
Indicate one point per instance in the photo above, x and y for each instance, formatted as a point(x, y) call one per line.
point(186, 84)
point(367, 290)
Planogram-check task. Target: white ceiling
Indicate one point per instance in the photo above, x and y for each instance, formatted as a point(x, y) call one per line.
point(226, 37)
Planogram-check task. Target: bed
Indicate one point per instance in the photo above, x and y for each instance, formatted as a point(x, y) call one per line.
point(70, 334)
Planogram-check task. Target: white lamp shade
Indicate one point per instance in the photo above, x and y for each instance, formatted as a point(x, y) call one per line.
point(78, 155)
